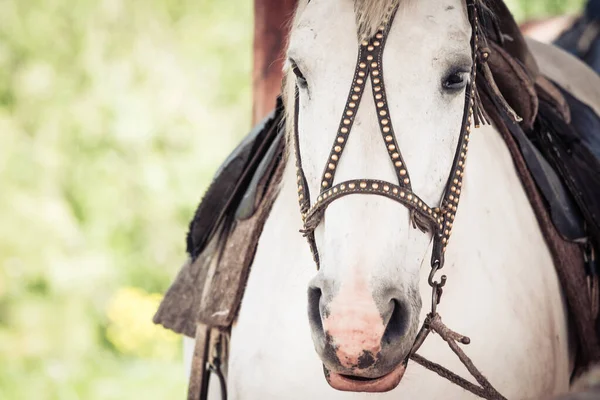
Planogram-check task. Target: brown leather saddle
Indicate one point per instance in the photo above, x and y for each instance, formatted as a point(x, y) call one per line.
point(547, 130)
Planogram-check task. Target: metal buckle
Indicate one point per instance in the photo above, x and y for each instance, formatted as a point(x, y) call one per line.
point(436, 286)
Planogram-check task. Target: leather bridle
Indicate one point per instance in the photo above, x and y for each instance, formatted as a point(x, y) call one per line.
point(437, 220)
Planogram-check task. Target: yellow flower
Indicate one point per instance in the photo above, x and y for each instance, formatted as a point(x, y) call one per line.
point(130, 327)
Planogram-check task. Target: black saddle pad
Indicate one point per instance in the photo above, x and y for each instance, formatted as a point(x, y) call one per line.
point(573, 150)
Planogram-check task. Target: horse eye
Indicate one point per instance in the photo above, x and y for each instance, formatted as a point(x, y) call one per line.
point(300, 79)
point(455, 81)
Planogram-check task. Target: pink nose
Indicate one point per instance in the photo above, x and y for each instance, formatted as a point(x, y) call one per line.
point(355, 330)
point(358, 329)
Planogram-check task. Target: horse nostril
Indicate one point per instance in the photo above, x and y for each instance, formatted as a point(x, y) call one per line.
point(314, 310)
point(397, 324)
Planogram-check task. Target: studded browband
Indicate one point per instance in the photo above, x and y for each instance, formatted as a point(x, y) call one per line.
point(438, 220)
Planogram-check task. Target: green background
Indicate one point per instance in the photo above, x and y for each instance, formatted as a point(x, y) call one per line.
point(114, 114)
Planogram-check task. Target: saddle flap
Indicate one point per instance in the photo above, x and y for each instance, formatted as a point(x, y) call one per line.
point(231, 182)
point(224, 232)
point(226, 279)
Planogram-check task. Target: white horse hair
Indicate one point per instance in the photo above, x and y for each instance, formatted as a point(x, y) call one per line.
point(502, 289)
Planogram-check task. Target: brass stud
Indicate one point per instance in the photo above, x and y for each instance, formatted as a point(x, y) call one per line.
point(325, 196)
point(453, 189)
point(415, 200)
point(457, 191)
point(376, 81)
point(347, 121)
point(447, 232)
point(337, 149)
point(361, 73)
point(378, 96)
point(379, 36)
point(386, 129)
point(383, 113)
point(391, 147)
point(362, 65)
point(451, 197)
point(331, 166)
point(335, 190)
point(420, 203)
point(406, 181)
point(342, 187)
point(325, 184)
point(375, 186)
point(349, 113)
point(356, 89)
point(370, 48)
point(398, 164)
point(409, 197)
point(363, 185)
point(369, 57)
point(365, 43)
point(402, 172)
point(351, 104)
point(301, 197)
point(386, 188)
point(355, 97)
point(384, 121)
point(373, 65)
point(428, 211)
point(375, 73)
point(444, 240)
point(395, 191)
point(328, 175)
point(395, 156)
point(334, 157)
point(360, 81)
point(340, 139)
point(402, 194)
point(320, 198)
point(344, 130)
point(380, 104)
point(351, 185)
point(329, 193)
point(377, 88)
point(388, 138)
point(376, 43)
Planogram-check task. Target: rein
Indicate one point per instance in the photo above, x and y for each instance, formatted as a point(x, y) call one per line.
point(437, 220)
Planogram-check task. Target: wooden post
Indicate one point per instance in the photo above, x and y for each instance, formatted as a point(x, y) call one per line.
point(271, 22)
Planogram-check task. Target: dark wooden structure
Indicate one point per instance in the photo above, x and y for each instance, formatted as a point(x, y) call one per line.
point(271, 24)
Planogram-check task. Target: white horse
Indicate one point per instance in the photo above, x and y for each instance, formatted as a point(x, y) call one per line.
point(502, 289)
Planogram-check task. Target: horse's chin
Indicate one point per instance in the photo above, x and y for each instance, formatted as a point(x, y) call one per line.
point(348, 383)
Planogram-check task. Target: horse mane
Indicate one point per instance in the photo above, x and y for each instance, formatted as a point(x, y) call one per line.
point(371, 13)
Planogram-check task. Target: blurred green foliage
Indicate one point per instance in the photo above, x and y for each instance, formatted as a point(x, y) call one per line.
point(114, 114)
point(535, 9)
